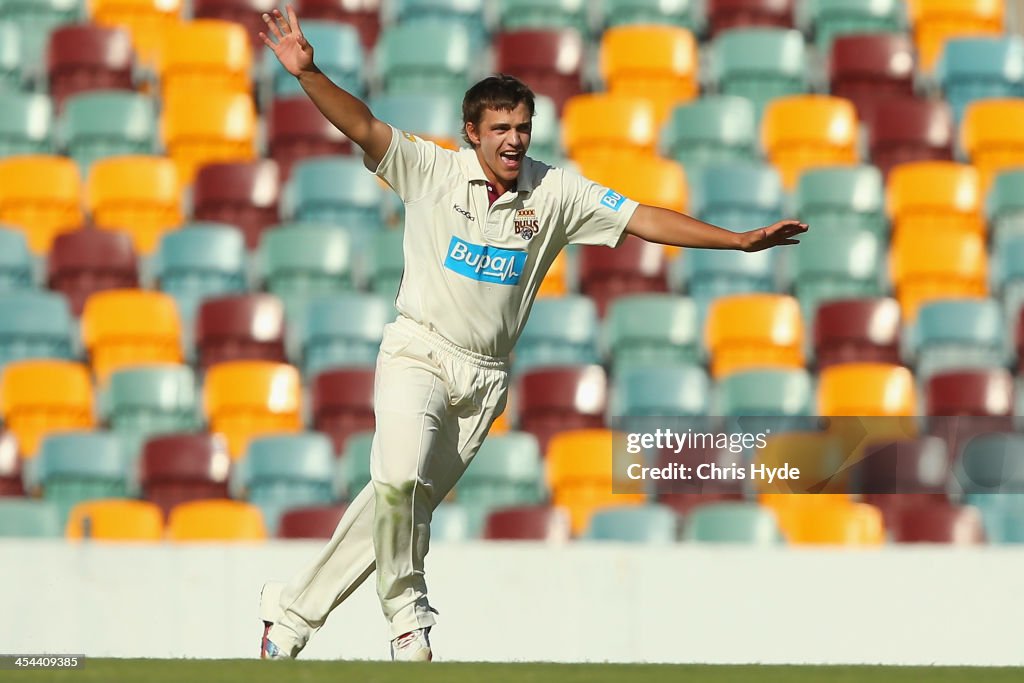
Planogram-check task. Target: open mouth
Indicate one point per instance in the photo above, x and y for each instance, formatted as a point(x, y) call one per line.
point(511, 160)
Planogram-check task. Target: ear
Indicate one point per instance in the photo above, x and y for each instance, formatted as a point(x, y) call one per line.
point(472, 133)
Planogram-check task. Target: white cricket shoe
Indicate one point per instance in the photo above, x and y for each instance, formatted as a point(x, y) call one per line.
point(267, 648)
point(413, 646)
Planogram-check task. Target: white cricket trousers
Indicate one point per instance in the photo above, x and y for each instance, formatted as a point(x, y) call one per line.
point(434, 403)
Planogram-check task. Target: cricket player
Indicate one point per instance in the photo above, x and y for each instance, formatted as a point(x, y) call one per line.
point(482, 226)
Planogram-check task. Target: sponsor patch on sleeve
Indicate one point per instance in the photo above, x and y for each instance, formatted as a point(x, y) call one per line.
point(613, 200)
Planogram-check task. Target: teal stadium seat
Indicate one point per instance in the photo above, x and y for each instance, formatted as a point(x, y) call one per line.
point(428, 114)
point(35, 19)
point(955, 334)
point(339, 55)
point(78, 466)
point(427, 56)
point(10, 56)
point(29, 518)
point(829, 19)
point(386, 262)
point(467, 13)
point(742, 195)
point(732, 522)
point(648, 397)
point(754, 401)
point(682, 13)
point(352, 471)
point(843, 198)
point(652, 329)
point(450, 524)
point(507, 471)
point(26, 123)
point(333, 190)
point(560, 331)
point(760, 63)
point(303, 261)
point(543, 14)
point(1008, 276)
point(712, 129)
point(835, 264)
point(16, 261)
point(343, 330)
point(545, 142)
point(990, 474)
point(283, 471)
point(150, 400)
point(977, 68)
point(1004, 207)
point(35, 324)
point(652, 523)
point(105, 123)
point(712, 273)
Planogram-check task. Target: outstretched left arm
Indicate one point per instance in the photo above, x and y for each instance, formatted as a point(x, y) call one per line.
point(676, 229)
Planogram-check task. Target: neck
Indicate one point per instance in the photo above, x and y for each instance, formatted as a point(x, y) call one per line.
point(502, 186)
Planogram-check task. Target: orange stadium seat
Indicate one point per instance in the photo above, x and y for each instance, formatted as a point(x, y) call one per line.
point(206, 54)
point(648, 180)
point(658, 63)
point(146, 20)
point(992, 135)
point(608, 127)
point(802, 131)
point(819, 457)
point(858, 524)
point(41, 195)
point(201, 127)
point(930, 196)
point(581, 477)
point(747, 331)
point(116, 519)
point(554, 282)
point(140, 195)
point(245, 399)
point(933, 22)
point(866, 390)
point(215, 520)
point(125, 327)
point(38, 397)
point(789, 509)
point(942, 265)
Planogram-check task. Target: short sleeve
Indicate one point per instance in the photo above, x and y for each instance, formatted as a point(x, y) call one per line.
point(594, 214)
point(413, 166)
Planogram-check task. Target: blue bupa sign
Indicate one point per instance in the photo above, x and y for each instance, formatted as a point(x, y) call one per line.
point(485, 263)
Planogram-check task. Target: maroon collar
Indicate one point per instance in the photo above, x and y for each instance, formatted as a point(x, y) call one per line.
point(492, 192)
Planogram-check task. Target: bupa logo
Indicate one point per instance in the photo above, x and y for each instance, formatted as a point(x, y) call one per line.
point(613, 200)
point(485, 263)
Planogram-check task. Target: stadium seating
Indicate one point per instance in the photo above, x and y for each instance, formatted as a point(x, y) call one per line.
point(533, 14)
point(545, 136)
point(961, 404)
point(302, 261)
point(822, 457)
point(735, 522)
point(343, 330)
point(353, 469)
point(38, 397)
point(334, 190)
point(560, 331)
point(450, 522)
point(29, 518)
point(760, 63)
point(652, 61)
point(857, 330)
point(739, 195)
point(646, 180)
point(26, 123)
point(903, 471)
point(527, 523)
point(973, 69)
point(727, 14)
point(835, 264)
point(123, 327)
point(957, 334)
point(760, 400)
point(145, 401)
point(1008, 276)
point(363, 15)
point(84, 57)
point(839, 199)
point(467, 13)
point(651, 329)
point(610, 128)
point(247, 13)
point(240, 193)
point(651, 523)
point(200, 128)
point(686, 14)
point(553, 399)
point(41, 196)
point(240, 327)
point(991, 138)
point(35, 21)
point(634, 267)
point(857, 524)
point(937, 264)
point(311, 521)
point(10, 56)
point(426, 56)
point(747, 331)
point(387, 263)
point(97, 124)
point(989, 464)
point(178, 468)
point(714, 128)
point(35, 324)
point(1003, 208)
point(432, 116)
point(140, 195)
point(549, 60)
point(710, 274)
point(215, 520)
point(148, 21)
point(205, 55)
point(10, 467)
point(83, 262)
point(659, 391)
point(78, 466)
point(507, 471)
point(803, 131)
point(16, 262)
point(296, 129)
point(115, 519)
point(338, 53)
point(866, 389)
point(832, 19)
point(938, 523)
point(342, 403)
point(869, 69)
point(904, 129)
point(934, 22)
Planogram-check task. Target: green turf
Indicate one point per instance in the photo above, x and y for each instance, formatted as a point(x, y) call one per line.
point(252, 671)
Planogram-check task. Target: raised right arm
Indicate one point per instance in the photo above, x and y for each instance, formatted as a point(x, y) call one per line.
point(346, 112)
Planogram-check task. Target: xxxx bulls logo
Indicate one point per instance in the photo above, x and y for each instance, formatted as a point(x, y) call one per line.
point(526, 223)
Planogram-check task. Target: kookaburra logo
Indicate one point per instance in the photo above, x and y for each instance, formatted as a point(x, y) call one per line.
point(467, 214)
point(526, 223)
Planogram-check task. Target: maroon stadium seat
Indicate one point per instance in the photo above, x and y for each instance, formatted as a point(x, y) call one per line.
point(178, 468)
point(314, 521)
point(10, 466)
point(634, 267)
point(553, 399)
point(527, 523)
point(88, 260)
point(905, 129)
point(363, 14)
point(86, 57)
point(726, 14)
point(871, 68)
point(343, 403)
point(684, 495)
point(551, 61)
point(857, 330)
point(961, 404)
point(298, 130)
point(901, 473)
point(240, 327)
point(248, 13)
point(243, 193)
point(938, 523)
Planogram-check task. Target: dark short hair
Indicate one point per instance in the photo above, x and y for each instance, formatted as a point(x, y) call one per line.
point(500, 92)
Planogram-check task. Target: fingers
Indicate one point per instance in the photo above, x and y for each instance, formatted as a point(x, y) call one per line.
point(272, 26)
point(266, 40)
point(294, 20)
point(282, 22)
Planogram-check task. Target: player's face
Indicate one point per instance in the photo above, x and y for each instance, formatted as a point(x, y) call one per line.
point(501, 140)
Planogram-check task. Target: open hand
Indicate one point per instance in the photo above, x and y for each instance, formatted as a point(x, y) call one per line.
point(774, 235)
point(291, 47)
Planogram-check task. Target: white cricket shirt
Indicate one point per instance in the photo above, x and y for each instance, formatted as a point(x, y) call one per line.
point(472, 269)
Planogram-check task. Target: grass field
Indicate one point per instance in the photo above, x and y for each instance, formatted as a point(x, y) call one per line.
point(251, 671)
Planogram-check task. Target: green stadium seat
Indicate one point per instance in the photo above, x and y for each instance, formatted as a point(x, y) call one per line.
point(302, 261)
point(34, 21)
point(339, 55)
point(10, 55)
point(16, 261)
point(843, 198)
point(682, 13)
point(105, 123)
point(1004, 206)
point(760, 63)
point(450, 523)
point(436, 116)
point(507, 471)
point(711, 273)
point(828, 19)
point(980, 67)
point(712, 129)
point(77, 466)
point(285, 471)
point(652, 329)
point(837, 264)
point(546, 14)
point(545, 138)
point(652, 523)
point(1002, 515)
point(333, 190)
point(957, 334)
point(26, 123)
point(150, 400)
point(35, 324)
point(659, 391)
point(732, 522)
point(352, 471)
point(386, 262)
point(29, 518)
point(990, 465)
point(560, 331)
point(342, 330)
point(426, 56)
point(1008, 275)
point(754, 401)
point(467, 13)
point(739, 195)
